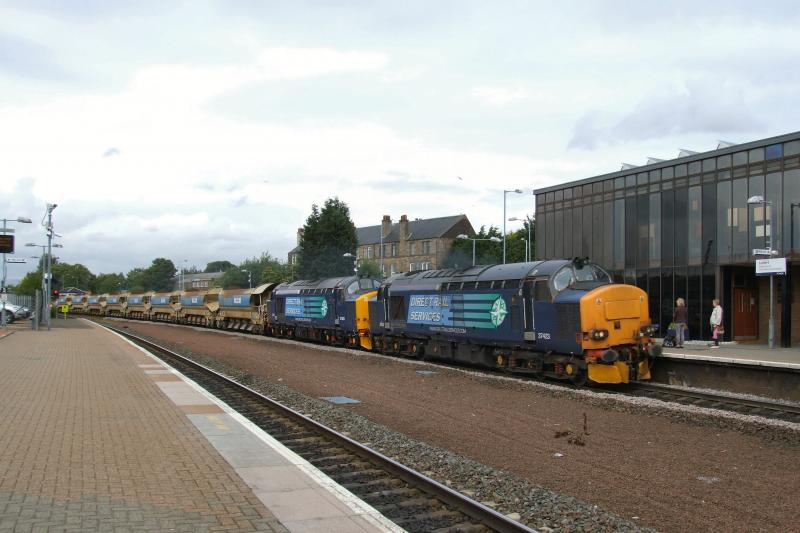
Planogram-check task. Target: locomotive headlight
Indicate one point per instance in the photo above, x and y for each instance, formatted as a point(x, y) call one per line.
point(648, 330)
point(599, 334)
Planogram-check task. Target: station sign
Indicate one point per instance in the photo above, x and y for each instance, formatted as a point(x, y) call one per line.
point(763, 251)
point(16, 260)
point(6, 244)
point(771, 267)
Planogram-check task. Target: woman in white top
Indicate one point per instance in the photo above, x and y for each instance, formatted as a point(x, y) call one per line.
point(716, 322)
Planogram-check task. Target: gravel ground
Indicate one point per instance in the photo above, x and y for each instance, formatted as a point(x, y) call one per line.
point(565, 460)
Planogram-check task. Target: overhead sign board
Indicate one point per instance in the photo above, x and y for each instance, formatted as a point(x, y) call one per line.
point(6, 244)
point(771, 267)
point(16, 260)
point(6, 230)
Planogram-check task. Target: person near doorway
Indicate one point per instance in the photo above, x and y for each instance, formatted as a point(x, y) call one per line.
point(716, 323)
point(680, 317)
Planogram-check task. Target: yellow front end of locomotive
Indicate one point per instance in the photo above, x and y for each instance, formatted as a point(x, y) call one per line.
point(614, 321)
point(362, 319)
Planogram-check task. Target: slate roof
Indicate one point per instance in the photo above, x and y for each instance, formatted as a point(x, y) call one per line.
point(429, 228)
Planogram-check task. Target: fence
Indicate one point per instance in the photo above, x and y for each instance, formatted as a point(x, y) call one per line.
point(21, 299)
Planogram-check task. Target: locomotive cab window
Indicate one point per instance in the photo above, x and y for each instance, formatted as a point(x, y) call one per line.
point(563, 278)
point(353, 288)
point(397, 308)
point(541, 291)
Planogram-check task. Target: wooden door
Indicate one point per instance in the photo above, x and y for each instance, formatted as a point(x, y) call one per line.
point(745, 313)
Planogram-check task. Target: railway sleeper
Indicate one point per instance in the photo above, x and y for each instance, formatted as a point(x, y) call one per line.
point(463, 527)
point(427, 521)
point(384, 484)
point(373, 474)
point(392, 494)
point(403, 506)
point(365, 465)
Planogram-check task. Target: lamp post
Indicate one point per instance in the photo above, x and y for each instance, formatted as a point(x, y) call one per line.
point(47, 273)
point(249, 278)
point(22, 220)
point(528, 243)
point(355, 261)
point(505, 194)
point(465, 237)
point(791, 227)
point(759, 200)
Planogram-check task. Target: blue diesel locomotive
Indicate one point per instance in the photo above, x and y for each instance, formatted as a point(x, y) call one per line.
point(562, 319)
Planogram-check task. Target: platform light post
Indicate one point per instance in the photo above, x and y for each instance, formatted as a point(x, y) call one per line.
point(759, 200)
point(47, 265)
point(468, 238)
point(3, 295)
point(355, 260)
point(505, 195)
point(528, 243)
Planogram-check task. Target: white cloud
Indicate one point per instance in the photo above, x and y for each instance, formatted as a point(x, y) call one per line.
point(500, 96)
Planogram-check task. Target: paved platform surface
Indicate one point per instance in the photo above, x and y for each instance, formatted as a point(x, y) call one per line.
point(745, 354)
point(99, 436)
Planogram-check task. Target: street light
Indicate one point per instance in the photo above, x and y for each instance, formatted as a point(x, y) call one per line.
point(791, 227)
point(465, 237)
point(22, 220)
point(759, 200)
point(249, 278)
point(528, 242)
point(505, 194)
point(355, 260)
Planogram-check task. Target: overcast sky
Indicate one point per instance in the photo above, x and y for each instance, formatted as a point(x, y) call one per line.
point(204, 130)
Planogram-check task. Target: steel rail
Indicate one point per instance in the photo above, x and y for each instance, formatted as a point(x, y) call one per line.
point(475, 510)
point(768, 408)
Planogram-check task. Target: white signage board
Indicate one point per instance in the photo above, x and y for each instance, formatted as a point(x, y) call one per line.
point(771, 267)
point(16, 260)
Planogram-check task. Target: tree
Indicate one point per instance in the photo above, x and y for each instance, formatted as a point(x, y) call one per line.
point(369, 269)
point(263, 269)
point(327, 235)
point(486, 252)
point(275, 272)
point(31, 283)
point(219, 266)
point(68, 275)
point(107, 283)
point(136, 280)
point(159, 275)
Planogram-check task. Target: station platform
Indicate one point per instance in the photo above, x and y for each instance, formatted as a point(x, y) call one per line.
point(741, 354)
point(98, 435)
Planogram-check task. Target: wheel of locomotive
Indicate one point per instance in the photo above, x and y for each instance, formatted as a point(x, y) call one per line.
point(577, 375)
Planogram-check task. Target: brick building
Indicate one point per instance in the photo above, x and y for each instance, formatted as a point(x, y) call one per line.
point(410, 244)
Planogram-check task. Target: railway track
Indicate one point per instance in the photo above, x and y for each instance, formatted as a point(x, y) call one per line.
point(409, 499)
point(766, 408)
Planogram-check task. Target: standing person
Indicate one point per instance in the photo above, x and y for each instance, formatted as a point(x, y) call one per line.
point(680, 317)
point(716, 322)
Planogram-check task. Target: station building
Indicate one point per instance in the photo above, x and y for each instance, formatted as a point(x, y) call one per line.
point(682, 228)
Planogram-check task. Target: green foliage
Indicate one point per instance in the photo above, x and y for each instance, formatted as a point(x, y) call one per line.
point(275, 272)
point(67, 275)
point(486, 252)
point(159, 275)
point(30, 283)
point(136, 280)
point(327, 235)
point(369, 269)
point(264, 269)
point(109, 283)
point(219, 266)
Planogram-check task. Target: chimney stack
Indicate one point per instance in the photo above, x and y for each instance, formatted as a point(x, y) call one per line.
point(386, 226)
point(299, 235)
point(403, 228)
